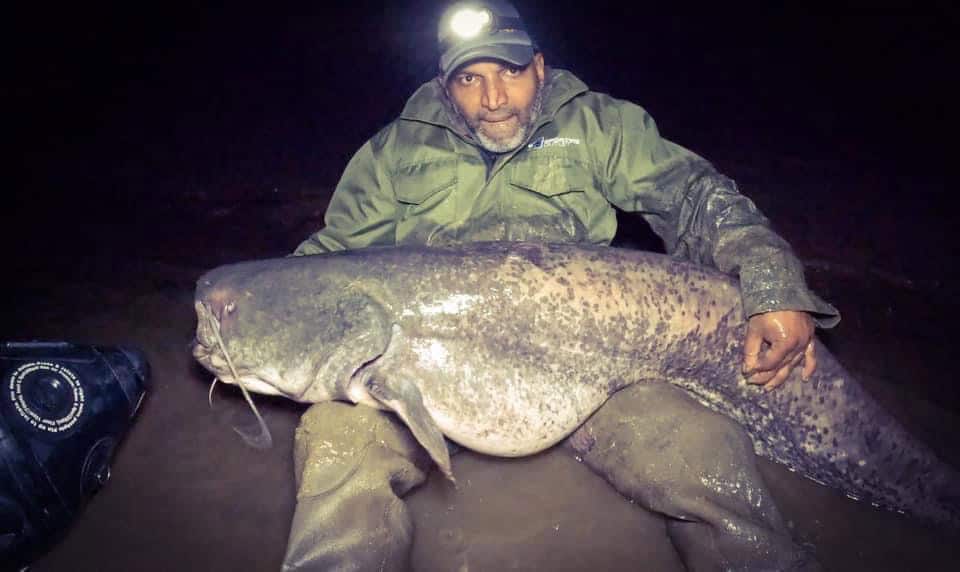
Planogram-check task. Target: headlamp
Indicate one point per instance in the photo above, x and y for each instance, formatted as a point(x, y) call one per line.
point(482, 29)
point(469, 23)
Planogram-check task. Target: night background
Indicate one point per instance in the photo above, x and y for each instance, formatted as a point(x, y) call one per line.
point(148, 142)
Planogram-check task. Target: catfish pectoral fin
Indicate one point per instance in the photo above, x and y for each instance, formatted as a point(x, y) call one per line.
point(403, 398)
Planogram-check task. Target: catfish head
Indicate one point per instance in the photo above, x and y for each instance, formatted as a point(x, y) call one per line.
point(289, 328)
point(307, 328)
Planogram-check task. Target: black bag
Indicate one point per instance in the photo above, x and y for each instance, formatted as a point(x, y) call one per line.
point(63, 409)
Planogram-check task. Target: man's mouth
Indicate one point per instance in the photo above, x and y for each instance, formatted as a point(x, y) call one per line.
point(499, 126)
point(489, 119)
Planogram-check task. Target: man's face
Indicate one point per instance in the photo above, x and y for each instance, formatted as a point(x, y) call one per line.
point(499, 101)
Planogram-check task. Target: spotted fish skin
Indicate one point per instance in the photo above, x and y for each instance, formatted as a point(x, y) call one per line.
point(506, 348)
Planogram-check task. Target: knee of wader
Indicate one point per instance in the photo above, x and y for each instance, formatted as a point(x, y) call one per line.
point(723, 437)
point(335, 418)
point(654, 421)
point(712, 459)
point(668, 448)
point(336, 442)
point(700, 450)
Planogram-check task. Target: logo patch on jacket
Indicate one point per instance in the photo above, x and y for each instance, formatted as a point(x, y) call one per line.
point(553, 142)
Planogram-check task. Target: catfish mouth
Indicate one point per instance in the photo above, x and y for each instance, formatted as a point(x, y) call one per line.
point(211, 351)
point(208, 350)
point(216, 363)
point(209, 357)
point(205, 348)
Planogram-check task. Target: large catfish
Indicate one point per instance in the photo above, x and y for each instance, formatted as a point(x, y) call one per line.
point(506, 348)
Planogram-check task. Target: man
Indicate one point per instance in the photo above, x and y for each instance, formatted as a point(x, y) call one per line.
point(501, 147)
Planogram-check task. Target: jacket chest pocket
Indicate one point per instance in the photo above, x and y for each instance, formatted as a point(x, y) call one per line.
point(559, 182)
point(423, 189)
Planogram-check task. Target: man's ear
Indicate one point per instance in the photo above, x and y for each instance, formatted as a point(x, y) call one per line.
point(539, 66)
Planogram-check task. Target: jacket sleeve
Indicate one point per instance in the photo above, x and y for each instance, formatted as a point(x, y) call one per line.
point(701, 216)
point(362, 210)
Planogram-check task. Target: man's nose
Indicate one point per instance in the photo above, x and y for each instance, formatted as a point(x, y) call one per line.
point(494, 94)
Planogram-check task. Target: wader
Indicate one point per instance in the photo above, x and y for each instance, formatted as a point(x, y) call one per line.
point(652, 442)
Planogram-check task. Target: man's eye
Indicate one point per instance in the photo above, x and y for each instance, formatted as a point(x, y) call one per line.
point(467, 79)
point(513, 70)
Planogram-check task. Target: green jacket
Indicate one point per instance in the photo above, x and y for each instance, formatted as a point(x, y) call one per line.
point(424, 180)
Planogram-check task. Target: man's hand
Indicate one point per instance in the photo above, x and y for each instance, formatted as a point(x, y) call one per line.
point(790, 338)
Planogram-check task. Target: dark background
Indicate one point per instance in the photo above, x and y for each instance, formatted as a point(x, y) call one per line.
point(108, 103)
point(145, 142)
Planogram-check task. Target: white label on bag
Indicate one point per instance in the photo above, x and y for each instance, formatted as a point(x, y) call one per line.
point(56, 375)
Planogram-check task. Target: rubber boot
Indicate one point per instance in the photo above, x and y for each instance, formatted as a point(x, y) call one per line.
point(671, 455)
point(353, 464)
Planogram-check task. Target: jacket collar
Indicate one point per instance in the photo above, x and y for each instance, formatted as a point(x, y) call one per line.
point(430, 104)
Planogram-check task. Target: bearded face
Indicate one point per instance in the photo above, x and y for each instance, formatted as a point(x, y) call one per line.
point(498, 101)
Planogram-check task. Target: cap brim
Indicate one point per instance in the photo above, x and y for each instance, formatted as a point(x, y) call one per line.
point(517, 51)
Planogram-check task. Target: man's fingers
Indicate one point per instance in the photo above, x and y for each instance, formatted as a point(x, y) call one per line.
point(809, 361)
point(779, 378)
point(783, 373)
point(776, 356)
point(780, 370)
point(751, 350)
point(761, 378)
point(776, 342)
point(766, 377)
